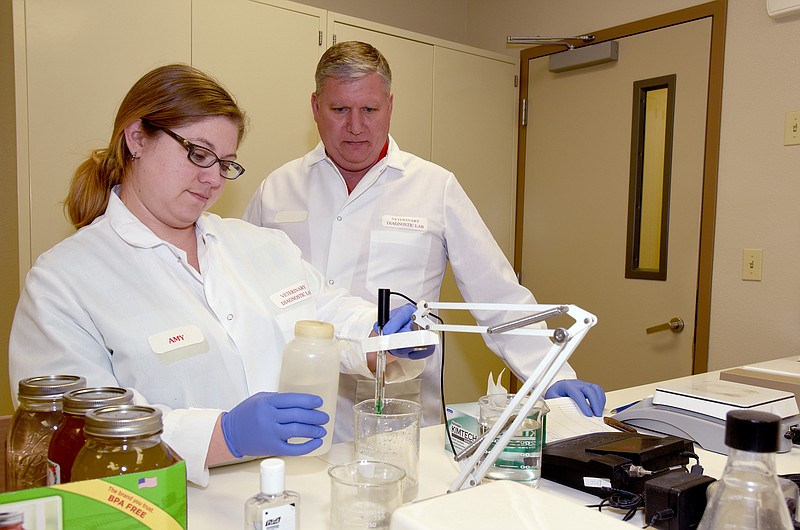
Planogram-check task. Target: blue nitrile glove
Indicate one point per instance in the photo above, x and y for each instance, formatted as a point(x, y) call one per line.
point(580, 392)
point(400, 321)
point(261, 425)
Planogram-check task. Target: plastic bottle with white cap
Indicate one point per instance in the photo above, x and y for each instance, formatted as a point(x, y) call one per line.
point(274, 507)
point(311, 365)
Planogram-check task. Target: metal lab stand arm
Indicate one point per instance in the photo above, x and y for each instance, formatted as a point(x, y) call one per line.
point(564, 343)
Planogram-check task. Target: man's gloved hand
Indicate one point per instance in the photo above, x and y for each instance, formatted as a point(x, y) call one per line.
point(400, 321)
point(580, 392)
point(261, 425)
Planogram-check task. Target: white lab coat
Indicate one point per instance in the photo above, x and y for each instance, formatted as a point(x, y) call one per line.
point(397, 229)
point(121, 307)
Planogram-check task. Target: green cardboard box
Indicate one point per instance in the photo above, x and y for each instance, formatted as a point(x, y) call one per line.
point(148, 499)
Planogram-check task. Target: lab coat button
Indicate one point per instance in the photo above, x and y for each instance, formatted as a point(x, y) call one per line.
point(330, 282)
point(338, 217)
point(230, 316)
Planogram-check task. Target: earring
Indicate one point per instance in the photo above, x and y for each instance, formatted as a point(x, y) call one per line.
point(134, 156)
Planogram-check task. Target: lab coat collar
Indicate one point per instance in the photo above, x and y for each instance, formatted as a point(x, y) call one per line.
point(392, 159)
point(134, 232)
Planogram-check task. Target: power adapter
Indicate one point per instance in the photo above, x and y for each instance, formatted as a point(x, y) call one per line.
point(675, 500)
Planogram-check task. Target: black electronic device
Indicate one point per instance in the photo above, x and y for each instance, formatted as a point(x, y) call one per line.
point(612, 460)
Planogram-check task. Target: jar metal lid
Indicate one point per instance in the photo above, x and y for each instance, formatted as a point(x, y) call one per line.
point(82, 400)
point(122, 421)
point(49, 387)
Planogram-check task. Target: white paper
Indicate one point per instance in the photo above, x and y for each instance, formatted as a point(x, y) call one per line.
point(565, 420)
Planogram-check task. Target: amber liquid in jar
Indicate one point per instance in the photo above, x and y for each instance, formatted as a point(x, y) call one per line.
point(69, 438)
point(122, 439)
point(32, 426)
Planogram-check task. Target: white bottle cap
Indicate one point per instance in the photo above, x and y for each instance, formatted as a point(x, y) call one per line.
point(272, 476)
point(313, 329)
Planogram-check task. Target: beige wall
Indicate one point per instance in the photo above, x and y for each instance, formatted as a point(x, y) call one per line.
point(9, 276)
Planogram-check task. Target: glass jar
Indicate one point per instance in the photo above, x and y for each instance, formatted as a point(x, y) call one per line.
point(68, 438)
point(32, 427)
point(122, 439)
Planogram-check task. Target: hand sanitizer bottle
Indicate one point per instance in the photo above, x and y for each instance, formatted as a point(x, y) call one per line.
point(274, 508)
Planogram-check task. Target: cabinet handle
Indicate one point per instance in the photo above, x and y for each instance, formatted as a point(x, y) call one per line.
point(675, 325)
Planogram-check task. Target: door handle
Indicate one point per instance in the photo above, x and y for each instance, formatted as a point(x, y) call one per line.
point(675, 325)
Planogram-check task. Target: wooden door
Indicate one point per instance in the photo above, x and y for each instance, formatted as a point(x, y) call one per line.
point(576, 183)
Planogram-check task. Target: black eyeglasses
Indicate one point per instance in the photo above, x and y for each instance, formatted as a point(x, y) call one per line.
point(203, 157)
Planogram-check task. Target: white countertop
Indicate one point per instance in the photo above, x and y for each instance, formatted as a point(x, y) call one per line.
point(221, 504)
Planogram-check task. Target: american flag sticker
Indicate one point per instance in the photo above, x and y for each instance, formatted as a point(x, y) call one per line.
point(148, 482)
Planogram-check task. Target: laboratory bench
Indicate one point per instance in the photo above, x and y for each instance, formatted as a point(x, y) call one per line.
point(221, 504)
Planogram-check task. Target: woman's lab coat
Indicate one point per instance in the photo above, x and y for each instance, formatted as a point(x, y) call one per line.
point(121, 307)
point(397, 229)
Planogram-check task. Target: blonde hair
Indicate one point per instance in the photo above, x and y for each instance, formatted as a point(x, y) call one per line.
point(352, 60)
point(169, 96)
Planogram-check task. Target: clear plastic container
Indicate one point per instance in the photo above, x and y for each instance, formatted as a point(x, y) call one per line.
point(122, 439)
point(311, 365)
point(748, 495)
point(32, 427)
point(68, 438)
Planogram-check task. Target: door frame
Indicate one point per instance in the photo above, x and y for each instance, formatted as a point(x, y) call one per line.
point(717, 11)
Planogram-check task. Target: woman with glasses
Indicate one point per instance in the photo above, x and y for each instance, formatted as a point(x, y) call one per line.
point(189, 310)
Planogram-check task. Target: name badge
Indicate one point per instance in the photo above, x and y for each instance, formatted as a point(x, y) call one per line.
point(291, 295)
point(291, 216)
point(173, 339)
point(419, 224)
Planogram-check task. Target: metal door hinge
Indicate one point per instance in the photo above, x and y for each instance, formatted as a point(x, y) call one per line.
point(320, 38)
point(524, 111)
point(516, 81)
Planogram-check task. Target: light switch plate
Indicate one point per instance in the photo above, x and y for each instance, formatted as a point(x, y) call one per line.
point(752, 262)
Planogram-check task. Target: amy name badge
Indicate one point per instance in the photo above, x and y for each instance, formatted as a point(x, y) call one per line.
point(173, 339)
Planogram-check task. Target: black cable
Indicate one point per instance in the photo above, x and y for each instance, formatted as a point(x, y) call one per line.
point(441, 372)
point(622, 500)
point(697, 469)
point(663, 515)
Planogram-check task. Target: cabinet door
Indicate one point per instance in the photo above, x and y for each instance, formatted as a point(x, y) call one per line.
point(80, 58)
point(474, 136)
point(266, 56)
point(412, 84)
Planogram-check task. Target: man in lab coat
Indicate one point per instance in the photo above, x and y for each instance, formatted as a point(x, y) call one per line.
point(372, 216)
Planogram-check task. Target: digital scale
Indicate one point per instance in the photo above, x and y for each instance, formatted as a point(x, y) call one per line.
point(695, 409)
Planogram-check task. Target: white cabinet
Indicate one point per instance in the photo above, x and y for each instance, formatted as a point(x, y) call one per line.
point(265, 55)
point(79, 60)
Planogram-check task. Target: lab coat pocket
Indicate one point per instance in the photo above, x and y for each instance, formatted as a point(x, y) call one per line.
point(397, 261)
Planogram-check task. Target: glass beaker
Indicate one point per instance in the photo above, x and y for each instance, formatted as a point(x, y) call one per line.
point(364, 494)
point(391, 436)
point(521, 460)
